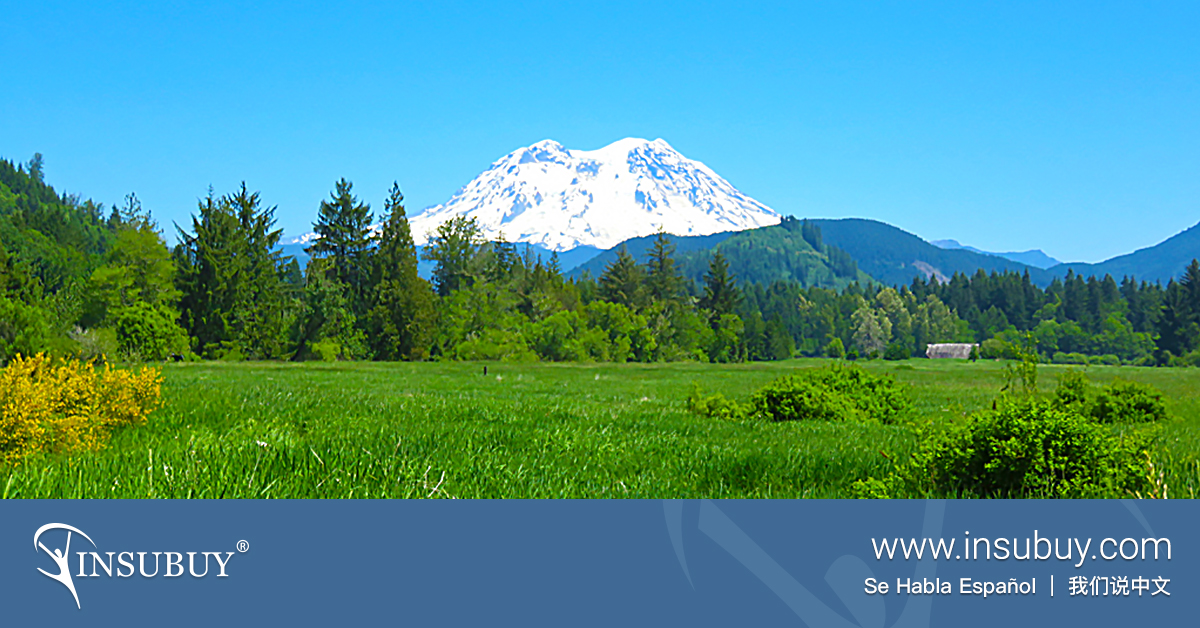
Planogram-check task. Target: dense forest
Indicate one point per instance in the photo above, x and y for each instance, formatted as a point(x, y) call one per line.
point(79, 278)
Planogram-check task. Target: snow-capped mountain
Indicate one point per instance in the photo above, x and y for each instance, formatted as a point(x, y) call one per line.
point(562, 199)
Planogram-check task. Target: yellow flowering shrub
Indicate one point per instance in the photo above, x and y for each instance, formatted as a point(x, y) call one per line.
point(63, 406)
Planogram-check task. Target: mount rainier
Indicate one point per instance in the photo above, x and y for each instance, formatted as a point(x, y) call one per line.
point(560, 199)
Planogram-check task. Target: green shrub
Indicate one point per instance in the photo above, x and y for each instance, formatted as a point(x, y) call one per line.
point(23, 329)
point(1146, 360)
point(94, 345)
point(995, 349)
point(1128, 402)
point(1191, 359)
point(326, 350)
point(1072, 390)
point(1025, 448)
point(835, 393)
point(1107, 359)
point(714, 406)
point(149, 333)
point(835, 349)
point(1069, 358)
point(897, 351)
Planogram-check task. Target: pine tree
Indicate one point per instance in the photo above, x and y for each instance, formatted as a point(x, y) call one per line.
point(663, 281)
point(1179, 321)
point(721, 295)
point(230, 273)
point(1190, 283)
point(343, 224)
point(622, 281)
point(454, 247)
point(402, 319)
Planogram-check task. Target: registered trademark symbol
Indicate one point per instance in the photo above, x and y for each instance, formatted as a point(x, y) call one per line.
point(243, 546)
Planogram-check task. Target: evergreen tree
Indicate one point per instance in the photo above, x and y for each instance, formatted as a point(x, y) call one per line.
point(326, 328)
point(502, 260)
point(663, 281)
point(230, 273)
point(1190, 284)
point(343, 226)
point(402, 319)
point(721, 295)
point(1178, 325)
point(454, 247)
point(623, 281)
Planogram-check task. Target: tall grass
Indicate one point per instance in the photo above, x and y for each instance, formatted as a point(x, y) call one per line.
point(361, 430)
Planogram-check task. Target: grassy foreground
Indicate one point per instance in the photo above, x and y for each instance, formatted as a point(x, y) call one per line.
point(373, 430)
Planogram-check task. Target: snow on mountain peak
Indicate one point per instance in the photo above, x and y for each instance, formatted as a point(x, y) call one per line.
point(561, 199)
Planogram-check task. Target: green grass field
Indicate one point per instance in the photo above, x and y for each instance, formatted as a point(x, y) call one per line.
point(373, 430)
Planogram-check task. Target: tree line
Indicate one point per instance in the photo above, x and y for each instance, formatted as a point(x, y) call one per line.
point(77, 277)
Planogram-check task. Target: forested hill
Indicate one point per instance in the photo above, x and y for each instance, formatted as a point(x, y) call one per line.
point(56, 237)
point(791, 251)
point(880, 251)
point(1160, 263)
point(894, 256)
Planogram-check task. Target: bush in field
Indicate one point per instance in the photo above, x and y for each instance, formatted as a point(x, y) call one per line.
point(148, 332)
point(1128, 402)
point(714, 406)
point(836, 393)
point(1072, 390)
point(59, 406)
point(94, 344)
point(995, 349)
point(835, 349)
point(1069, 358)
point(1025, 448)
point(898, 350)
point(23, 328)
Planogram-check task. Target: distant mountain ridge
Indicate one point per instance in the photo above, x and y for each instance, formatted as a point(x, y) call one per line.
point(1159, 263)
point(1033, 257)
point(894, 256)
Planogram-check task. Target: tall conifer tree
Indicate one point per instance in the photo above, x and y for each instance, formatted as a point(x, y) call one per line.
point(622, 281)
point(721, 295)
point(453, 247)
point(663, 281)
point(343, 224)
point(402, 319)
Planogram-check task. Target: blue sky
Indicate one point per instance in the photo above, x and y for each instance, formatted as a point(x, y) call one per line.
point(1008, 126)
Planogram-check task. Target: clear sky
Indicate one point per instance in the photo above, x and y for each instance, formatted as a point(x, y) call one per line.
point(1070, 127)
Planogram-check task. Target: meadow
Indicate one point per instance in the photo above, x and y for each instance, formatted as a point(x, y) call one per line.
point(417, 430)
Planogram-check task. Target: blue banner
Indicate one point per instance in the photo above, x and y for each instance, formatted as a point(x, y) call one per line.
point(871, 564)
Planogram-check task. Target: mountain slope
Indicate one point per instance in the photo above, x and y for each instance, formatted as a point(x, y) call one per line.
point(1033, 257)
point(894, 256)
point(563, 199)
point(763, 255)
point(890, 255)
point(1161, 262)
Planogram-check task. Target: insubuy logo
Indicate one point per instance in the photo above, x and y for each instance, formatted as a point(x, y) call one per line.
point(121, 564)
